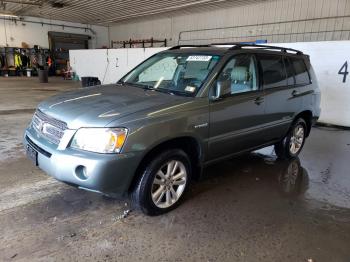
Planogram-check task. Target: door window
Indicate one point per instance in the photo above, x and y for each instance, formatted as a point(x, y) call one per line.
point(274, 73)
point(240, 74)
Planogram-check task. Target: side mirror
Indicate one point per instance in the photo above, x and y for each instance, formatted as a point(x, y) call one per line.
point(221, 88)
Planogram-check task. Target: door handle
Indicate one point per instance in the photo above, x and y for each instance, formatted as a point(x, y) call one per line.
point(295, 93)
point(259, 100)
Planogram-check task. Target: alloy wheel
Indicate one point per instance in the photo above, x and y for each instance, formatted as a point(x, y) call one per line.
point(297, 139)
point(169, 184)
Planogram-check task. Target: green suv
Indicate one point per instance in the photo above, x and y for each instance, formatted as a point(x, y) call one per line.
point(149, 135)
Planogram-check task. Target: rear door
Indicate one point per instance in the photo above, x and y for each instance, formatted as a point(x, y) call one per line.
point(281, 94)
point(236, 118)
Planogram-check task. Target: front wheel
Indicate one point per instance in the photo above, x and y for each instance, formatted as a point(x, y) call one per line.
point(163, 182)
point(291, 145)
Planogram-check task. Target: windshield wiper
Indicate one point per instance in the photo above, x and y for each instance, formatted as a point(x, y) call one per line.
point(138, 85)
point(173, 92)
point(147, 87)
point(162, 90)
point(182, 93)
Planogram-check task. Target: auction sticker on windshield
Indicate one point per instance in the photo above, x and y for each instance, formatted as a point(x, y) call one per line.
point(190, 89)
point(202, 58)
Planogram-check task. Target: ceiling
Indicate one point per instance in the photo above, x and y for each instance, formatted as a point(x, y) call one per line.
point(105, 12)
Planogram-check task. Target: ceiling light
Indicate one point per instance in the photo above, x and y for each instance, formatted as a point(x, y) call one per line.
point(8, 15)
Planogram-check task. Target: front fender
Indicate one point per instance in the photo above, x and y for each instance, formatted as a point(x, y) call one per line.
point(192, 120)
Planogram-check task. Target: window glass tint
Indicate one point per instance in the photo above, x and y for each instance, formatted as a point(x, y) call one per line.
point(273, 70)
point(239, 74)
point(301, 74)
point(289, 71)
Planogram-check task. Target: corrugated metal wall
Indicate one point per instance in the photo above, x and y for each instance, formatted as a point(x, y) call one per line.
point(274, 21)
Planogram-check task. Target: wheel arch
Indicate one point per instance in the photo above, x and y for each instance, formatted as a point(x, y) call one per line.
point(190, 145)
point(307, 117)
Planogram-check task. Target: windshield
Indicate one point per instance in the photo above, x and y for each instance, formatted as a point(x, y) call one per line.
point(180, 74)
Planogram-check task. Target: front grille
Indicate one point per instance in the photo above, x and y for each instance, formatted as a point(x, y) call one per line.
point(50, 128)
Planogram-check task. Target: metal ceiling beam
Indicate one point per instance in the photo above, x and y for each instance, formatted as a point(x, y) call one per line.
point(50, 24)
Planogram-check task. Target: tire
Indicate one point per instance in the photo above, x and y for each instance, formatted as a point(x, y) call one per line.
point(292, 144)
point(159, 191)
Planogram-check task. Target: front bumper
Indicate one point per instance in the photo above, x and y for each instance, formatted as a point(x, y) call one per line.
point(110, 174)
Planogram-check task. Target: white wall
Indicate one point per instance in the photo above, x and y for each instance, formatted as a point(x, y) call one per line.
point(37, 34)
point(276, 12)
point(109, 65)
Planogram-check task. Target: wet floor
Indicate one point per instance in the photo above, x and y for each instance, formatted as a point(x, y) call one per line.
point(252, 208)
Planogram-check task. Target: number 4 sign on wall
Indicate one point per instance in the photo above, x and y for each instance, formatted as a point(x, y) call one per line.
point(344, 71)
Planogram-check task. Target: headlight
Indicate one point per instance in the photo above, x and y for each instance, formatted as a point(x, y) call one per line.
point(100, 140)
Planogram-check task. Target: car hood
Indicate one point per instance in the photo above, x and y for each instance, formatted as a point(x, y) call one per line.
point(98, 106)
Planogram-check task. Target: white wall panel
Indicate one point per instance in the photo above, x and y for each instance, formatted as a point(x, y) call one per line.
point(117, 65)
point(90, 62)
point(109, 65)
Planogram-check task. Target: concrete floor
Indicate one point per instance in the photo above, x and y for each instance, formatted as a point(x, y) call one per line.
point(253, 208)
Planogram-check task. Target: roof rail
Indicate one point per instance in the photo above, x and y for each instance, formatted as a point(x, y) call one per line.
point(187, 46)
point(236, 46)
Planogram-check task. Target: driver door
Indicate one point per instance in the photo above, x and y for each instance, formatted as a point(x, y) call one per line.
point(238, 116)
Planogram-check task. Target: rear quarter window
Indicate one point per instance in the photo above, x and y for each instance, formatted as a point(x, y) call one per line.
point(302, 76)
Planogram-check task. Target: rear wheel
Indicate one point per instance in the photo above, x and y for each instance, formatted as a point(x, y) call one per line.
point(163, 183)
point(291, 145)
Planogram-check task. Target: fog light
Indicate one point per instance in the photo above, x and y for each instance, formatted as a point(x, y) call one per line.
point(81, 173)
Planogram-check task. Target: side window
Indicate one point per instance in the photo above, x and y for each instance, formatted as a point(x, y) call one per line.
point(289, 71)
point(302, 76)
point(274, 73)
point(239, 74)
